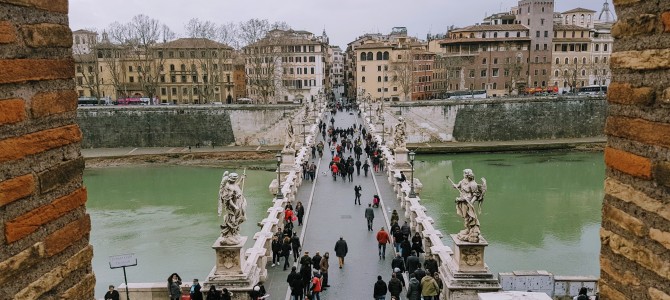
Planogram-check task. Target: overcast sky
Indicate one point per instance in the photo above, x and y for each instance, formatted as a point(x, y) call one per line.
point(344, 20)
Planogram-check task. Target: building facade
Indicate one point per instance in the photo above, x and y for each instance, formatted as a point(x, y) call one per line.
point(287, 66)
point(183, 71)
point(538, 16)
point(336, 60)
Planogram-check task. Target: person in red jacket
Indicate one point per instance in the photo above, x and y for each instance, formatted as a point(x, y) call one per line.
point(383, 239)
point(316, 286)
point(335, 170)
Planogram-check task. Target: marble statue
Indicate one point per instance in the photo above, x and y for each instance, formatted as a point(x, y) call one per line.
point(471, 194)
point(232, 199)
point(400, 134)
point(289, 143)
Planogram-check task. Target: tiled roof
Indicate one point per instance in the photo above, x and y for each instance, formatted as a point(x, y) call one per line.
point(569, 27)
point(491, 28)
point(579, 9)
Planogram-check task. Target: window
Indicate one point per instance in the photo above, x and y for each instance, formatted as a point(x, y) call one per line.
point(173, 78)
point(567, 61)
point(558, 61)
point(131, 79)
point(312, 70)
point(542, 20)
point(370, 57)
point(379, 79)
point(537, 47)
point(483, 86)
point(556, 73)
point(482, 73)
point(379, 68)
point(495, 72)
point(605, 47)
point(395, 88)
point(379, 55)
point(471, 73)
point(546, 47)
point(537, 59)
point(583, 60)
point(162, 78)
point(363, 79)
point(379, 90)
point(495, 34)
point(386, 78)
point(183, 78)
point(544, 83)
point(537, 33)
point(604, 60)
point(544, 71)
point(163, 91)
point(583, 72)
point(484, 61)
point(386, 55)
point(506, 72)
point(546, 33)
point(597, 47)
point(362, 68)
point(536, 72)
point(130, 68)
point(495, 61)
point(506, 34)
point(181, 54)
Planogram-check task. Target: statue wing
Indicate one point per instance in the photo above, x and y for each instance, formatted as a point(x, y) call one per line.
point(224, 179)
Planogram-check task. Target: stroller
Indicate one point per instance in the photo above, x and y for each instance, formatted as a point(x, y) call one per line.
point(375, 201)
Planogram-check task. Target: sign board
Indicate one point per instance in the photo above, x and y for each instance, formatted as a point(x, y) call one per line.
point(124, 260)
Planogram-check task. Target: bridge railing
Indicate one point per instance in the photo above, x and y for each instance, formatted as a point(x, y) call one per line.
point(420, 222)
point(258, 255)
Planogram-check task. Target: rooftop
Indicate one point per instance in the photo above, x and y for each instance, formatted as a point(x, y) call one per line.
point(473, 28)
point(579, 9)
point(190, 43)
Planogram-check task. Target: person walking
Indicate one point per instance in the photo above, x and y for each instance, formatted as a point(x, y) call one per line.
point(295, 246)
point(383, 239)
point(413, 288)
point(395, 286)
point(316, 287)
point(380, 289)
point(341, 250)
point(366, 168)
point(174, 286)
point(398, 263)
point(276, 250)
point(306, 276)
point(306, 260)
point(405, 248)
point(195, 292)
point(357, 194)
point(299, 212)
point(294, 281)
point(286, 251)
point(358, 167)
point(323, 268)
point(369, 215)
point(429, 288)
point(413, 263)
point(112, 294)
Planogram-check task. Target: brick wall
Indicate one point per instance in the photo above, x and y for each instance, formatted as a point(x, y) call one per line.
point(44, 227)
point(635, 234)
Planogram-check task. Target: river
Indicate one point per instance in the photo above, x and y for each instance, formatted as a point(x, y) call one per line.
point(542, 212)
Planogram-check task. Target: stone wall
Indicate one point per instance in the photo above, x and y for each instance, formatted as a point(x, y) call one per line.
point(44, 240)
point(177, 126)
point(635, 234)
point(501, 119)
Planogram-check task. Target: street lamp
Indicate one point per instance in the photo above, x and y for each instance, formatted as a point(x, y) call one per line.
point(412, 194)
point(304, 132)
point(381, 118)
point(280, 196)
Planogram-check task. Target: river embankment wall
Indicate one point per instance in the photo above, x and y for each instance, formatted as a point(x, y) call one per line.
point(178, 126)
point(500, 119)
point(479, 120)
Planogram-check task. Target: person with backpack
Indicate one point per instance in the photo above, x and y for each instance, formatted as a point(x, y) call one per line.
point(316, 286)
point(380, 289)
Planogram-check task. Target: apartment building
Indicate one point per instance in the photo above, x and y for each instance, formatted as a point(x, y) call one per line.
point(336, 62)
point(287, 66)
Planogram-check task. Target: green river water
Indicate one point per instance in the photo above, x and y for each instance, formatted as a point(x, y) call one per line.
point(542, 212)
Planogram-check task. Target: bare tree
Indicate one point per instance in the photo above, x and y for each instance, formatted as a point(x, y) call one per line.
point(403, 71)
point(575, 72)
point(229, 34)
point(111, 53)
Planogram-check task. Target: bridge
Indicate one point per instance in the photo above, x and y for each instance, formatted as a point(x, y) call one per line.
point(330, 213)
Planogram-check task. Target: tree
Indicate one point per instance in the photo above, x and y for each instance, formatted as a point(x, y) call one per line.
point(261, 53)
point(87, 67)
point(575, 72)
point(403, 71)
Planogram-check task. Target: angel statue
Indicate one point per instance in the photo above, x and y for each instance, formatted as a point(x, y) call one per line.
point(232, 199)
point(399, 134)
point(289, 143)
point(471, 194)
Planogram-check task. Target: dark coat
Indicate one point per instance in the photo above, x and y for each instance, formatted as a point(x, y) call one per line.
point(213, 295)
point(406, 248)
point(298, 287)
point(419, 274)
point(413, 263)
point(369, 213)
point(341, 248)
point(395, 287)
point(300, 211)
point(316, 261)
point(414, 289)
point(113, 295)
point(380, 288)
point(292, 278)
point(197, 294)
point(295, 243)
point(399, 263)
point(431, 265)
point(276, 246)
point(286, 249)
point(306, 260)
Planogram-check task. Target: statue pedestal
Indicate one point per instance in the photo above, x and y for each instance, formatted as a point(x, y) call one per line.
point(288, 157)
point(231, 270)
point(229, 258)
point(401, 156)
point(469, 257)
point(467, 274)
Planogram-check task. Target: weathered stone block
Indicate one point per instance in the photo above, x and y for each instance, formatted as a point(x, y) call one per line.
point(15, 265)
point(641, 24)
point(623, 276)
point(29, 144)
point(16, 188)
point(54, 277)
point(651, 59)
point(623, 220)
point(658, 294)
point(60, 174)
point(628, 194)
point(660, 236)
point(12, 111)
point(22, 70)
point(628, 163)
point(624, 93)
point(636, 253)
point(46, 35)
point(53, 102)
point(662, 173)
point(64, 237)
point(624, 2)
point(7, 33)
point(653, 133)
point(665, 18)
point(59, 6)
point(85, 286)
point(29, 222)
point(665, 96)
point(608, 292)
